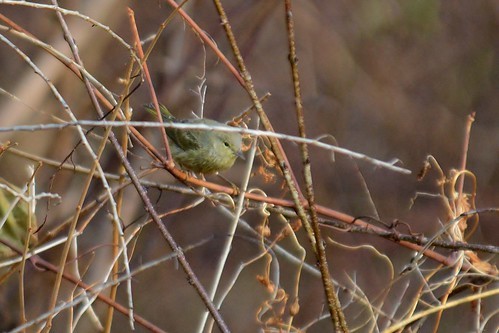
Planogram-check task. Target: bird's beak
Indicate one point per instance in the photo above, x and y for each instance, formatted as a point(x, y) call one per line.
point(240, 154)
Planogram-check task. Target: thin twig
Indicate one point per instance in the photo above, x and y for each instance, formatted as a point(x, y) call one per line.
point(232, 232)
point(252, 132)
point(333, 301)
point(464, 154)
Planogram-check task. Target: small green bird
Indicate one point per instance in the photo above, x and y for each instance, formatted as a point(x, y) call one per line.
point(201, 151)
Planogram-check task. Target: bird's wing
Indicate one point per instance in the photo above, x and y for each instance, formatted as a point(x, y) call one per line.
point(182, 138)
point(185, 139)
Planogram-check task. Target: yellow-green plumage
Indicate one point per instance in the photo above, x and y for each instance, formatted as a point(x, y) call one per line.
point(15, 214)
point(201, 150)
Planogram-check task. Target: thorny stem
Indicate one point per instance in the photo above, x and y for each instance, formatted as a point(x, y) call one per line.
point(334, 305)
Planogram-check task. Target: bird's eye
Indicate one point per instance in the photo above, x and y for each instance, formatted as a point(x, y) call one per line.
point(226, 144)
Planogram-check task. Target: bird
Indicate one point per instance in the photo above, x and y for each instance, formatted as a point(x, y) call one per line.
point(198, 150)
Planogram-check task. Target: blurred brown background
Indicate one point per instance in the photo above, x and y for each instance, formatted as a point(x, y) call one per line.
point(389, 79)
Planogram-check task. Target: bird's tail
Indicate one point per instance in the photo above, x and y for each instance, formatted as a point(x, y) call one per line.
point(167, 116)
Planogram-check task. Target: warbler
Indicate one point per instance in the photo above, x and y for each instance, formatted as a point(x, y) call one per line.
point(201, 151)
